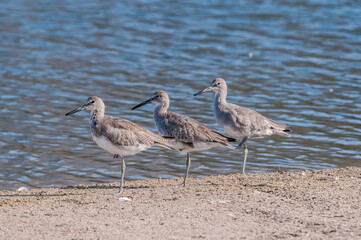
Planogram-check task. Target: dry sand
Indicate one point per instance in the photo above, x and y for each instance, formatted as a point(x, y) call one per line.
point(322, 204)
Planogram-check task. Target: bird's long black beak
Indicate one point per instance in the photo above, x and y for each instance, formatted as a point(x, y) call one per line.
point(143, 103)
point(78, 109)
point(204, 90)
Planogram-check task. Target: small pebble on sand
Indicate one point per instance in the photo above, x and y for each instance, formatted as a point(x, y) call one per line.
point(124, 199)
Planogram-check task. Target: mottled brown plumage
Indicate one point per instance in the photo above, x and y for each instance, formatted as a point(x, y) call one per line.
point(188, 130)
point(123, 132)
point(189, 134)
point(241, 122)
point(116, 135)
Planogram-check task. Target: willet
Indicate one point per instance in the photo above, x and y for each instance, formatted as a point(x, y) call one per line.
point(116, 135)
point(240, 122)
point(189, 134)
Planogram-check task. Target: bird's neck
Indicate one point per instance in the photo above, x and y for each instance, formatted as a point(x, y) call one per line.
point(161, 109)
point(96, 115)
point(220, 97)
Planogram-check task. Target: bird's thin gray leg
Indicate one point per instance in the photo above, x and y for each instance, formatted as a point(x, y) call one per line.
point(122, 175)
point(188, 164)
point(244, 144)
point(244, 140)
point(245, 158)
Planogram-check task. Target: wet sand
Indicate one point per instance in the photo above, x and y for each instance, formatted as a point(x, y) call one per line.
point(322, 204)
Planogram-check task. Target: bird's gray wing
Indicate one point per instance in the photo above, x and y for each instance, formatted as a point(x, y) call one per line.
point(126, 133)
point(253, 121)
point(187, 129)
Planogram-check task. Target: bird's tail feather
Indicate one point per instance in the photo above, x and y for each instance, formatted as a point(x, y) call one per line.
point(279, 128)
point(163, 146)
point(227, 145)
point(283, 133)
point(229, 139)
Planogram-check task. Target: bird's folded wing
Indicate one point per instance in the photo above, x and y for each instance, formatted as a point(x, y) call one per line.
point(125, 132)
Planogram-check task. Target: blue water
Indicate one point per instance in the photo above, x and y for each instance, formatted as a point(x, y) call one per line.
point(297, 62)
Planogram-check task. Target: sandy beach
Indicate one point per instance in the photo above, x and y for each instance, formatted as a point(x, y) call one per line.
point(322, 204)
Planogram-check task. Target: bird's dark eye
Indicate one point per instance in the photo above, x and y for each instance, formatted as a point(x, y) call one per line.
point(218, 84)
point(92, 101)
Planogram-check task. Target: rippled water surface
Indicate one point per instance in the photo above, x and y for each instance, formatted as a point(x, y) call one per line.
point(297, 62)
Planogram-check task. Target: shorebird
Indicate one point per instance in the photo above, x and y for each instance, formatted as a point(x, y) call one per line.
point(241, 122)
point(116, 135)
point(189, 134)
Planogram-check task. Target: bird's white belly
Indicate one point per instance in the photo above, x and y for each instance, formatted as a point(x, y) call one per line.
point(108, 146)
point(232, 132)
point(199, 146)
point(262, 132)
point(236, 133)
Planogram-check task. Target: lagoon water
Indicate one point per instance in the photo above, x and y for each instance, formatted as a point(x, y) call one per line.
point(298, 62)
